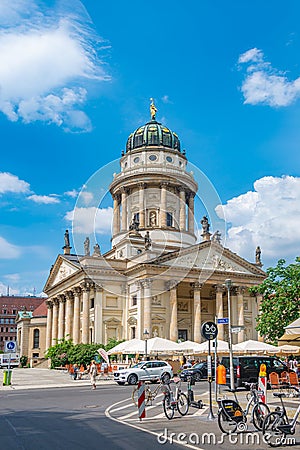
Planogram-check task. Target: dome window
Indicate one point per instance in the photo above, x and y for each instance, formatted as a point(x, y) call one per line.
point(166, 138)
point(136, 160)
point(153, 157)
point(169, 219)
point(169, 159)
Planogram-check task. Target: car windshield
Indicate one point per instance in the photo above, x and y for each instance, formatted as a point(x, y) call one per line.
point(138, 365)
point(198, 366)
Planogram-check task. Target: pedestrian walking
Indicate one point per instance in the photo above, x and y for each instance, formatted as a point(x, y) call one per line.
point(93, 374)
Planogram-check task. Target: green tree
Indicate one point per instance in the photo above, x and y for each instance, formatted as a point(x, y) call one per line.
point(281, 299)
point(58, 353)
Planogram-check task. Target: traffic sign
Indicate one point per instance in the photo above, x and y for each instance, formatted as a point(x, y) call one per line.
point(209, 330)
point(10, 346)
point(236, 329)
point(223, 320)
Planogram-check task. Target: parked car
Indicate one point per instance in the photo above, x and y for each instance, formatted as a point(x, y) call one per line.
point(144, 371)
point(246, 368)
point(198, 371)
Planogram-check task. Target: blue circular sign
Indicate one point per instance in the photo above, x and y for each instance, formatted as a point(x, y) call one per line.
point(10, 345)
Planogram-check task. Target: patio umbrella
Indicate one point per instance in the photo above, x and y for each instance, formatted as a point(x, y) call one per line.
point(288, 349)
point(253, 346)
point(128, 347)
point(222, 347)
point(160, 345)
point(189, 347)
point(292, 333)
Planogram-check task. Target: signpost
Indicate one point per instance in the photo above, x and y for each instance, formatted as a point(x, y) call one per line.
point(10, 347)
point(224, 320)
point(209, 331)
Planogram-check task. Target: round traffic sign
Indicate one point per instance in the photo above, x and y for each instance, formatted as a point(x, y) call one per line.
point(11, 345)
point(209, 330)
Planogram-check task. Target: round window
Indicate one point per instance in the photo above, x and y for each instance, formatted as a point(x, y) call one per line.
point(169, 159)
point(153, 157)
point(136, 159)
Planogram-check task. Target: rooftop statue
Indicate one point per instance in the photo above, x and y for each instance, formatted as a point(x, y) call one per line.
point(67, 239)
point(153, 109)
point(205, 225)
point(258, 255)
point(87, 246)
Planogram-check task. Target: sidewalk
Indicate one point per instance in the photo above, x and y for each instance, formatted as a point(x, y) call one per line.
point(44, 378)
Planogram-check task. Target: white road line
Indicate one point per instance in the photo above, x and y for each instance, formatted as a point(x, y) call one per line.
point(135, 412)
point(123, 407)
point(200, 411)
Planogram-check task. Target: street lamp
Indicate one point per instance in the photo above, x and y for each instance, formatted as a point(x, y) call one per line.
point(146, 337)
point(228, 284)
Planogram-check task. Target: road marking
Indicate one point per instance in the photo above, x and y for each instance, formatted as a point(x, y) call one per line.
point(122, 407)
point(135, 412)
point(107, 413)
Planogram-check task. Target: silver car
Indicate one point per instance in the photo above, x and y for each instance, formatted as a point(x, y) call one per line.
point(144, 371)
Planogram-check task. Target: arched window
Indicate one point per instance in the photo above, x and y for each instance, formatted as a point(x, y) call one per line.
point(36, 338)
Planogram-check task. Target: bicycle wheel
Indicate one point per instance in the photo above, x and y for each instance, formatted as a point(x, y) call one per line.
point(272, 435)
point(259, 413)
point(182, 404)
point(168, 408)
point(226, 425)
point(134, 396)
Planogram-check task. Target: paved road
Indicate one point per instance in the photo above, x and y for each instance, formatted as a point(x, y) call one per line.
point(67, 414)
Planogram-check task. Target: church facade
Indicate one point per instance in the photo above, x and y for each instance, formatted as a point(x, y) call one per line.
point(156, 277)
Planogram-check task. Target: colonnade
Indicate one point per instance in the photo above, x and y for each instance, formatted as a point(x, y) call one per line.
point(121, 217)
point(197, 317)
point(69, 314)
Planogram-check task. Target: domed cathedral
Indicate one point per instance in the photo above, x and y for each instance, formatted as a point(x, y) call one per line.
point(153, 192)
point(156, 279)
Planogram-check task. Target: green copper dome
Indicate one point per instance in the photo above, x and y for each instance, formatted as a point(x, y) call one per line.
point(153, 134)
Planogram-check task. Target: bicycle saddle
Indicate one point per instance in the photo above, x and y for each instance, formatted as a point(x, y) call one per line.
point(279, 394)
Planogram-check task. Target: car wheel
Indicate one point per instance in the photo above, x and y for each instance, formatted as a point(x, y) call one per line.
point(132, 379)
point(165, 378)
point(197, 376)
point(120, 383)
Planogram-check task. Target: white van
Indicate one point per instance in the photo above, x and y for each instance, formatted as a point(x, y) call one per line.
point(12, 358)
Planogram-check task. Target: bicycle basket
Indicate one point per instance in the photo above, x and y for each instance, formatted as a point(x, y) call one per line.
point(232, 410)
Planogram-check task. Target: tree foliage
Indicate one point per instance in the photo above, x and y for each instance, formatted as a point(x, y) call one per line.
point(281, 299)
point(65, 352)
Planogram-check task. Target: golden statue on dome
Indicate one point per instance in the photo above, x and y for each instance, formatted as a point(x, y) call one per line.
point(153, 109)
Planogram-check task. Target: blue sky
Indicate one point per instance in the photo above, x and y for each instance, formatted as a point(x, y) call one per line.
point(75, 80)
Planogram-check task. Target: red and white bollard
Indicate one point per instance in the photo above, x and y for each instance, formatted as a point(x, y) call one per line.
point(141, 400)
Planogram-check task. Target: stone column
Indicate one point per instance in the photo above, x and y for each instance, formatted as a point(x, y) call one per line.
point(49, 323)
point(219, 310)
point(55, 321)
point(147, 305)
point(61, 317)
point(139, 311)
point(163, 205)
point(172, 286)
point(69, 314)
point(141, 205)
point(197, 311)
point(182, 211)
point(191, 213)
point(125, 308)
point(240, 312)
point(116, 217)
point(259, 299)
point(86, 286)
point(124, 209)
point(76, 315)
point(98, 323)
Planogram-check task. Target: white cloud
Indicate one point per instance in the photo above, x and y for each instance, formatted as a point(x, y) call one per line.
point(86, 196)
point(48, 56)
point(45, 199)
point(4, 288)
point(264, 84)
point(73, 194)
point(166, 99)
point(11, 183)
point(8, 250)
point(268, 216)
point(91, 220)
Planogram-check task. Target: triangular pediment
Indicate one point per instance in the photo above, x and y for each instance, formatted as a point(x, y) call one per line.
point(62, 269)
point(212, 257)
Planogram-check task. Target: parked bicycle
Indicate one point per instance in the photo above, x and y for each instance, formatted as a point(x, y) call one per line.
point(232, 417)
point(277, 425)
point(174, 400)
point(150, 394)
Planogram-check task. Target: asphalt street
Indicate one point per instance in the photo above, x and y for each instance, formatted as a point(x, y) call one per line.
point(48, 410)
